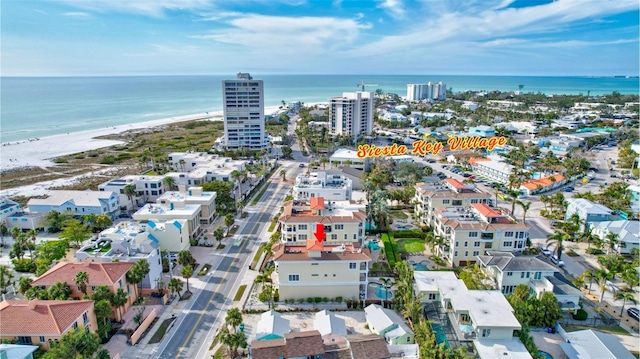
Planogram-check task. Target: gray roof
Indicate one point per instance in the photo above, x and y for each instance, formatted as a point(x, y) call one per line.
point(627, 231)
point(508, 262)
point(597, 344)
point(562, 286)
point(16, 351)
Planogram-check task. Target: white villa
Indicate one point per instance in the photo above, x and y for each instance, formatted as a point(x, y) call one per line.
point(628, 234)
point(77, 203)
point(184, 217)
point(195, 196)
point(333, 187)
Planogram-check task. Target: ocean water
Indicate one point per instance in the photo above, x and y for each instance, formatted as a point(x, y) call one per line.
point(42, 106)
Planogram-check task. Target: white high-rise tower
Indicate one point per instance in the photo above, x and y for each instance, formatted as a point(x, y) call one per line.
point(351, 114)
point(243, 104)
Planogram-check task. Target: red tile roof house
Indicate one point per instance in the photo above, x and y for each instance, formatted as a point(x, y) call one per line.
point(110, 274)
point(38, 322)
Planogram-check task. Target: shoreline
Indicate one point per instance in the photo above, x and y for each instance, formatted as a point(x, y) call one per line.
point(39, 151)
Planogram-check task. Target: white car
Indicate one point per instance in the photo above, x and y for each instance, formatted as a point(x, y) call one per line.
point(545, 251)
point(555, 260)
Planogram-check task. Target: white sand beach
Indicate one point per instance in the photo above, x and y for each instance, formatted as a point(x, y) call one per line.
point(40, 152)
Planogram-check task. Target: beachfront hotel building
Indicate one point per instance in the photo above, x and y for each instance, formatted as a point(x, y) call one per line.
point(470, 231)
point(429, 91)
point(447, 193)
point(352, 114)
point(243, 109)
point(337, 266)
point(333, 187)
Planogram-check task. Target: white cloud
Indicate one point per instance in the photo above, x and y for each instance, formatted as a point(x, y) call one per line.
point(77, 14)
point(281, 34)
point(394, 8)
point(154, 8)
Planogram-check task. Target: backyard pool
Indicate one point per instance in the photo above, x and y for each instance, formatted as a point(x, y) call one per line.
point(439, 333)
point(545, 355)
point(373, 246)
point(381, 292)
point(421, 266)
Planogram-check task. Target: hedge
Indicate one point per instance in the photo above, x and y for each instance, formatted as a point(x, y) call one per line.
point(391, 249)
point(410, 233)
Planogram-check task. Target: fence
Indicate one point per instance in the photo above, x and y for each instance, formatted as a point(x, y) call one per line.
point(143, 326)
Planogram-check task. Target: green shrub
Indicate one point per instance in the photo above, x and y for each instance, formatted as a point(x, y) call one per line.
point(581, 314)
point(594, 251)
point(310, 300)
point(338, 299)
point(276, 295)
point(108, 160)
point(317, 299)
point(60, 160)
point(24, 265)
point(410, 233)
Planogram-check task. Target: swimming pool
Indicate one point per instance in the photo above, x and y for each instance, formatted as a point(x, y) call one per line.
point(381, 292)
point(438, 330)
point(422, 266)
point(545, 355)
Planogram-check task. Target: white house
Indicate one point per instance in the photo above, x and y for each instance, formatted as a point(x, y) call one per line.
point(192, 196)
point(587, 211)
point(272, 326)
point(78, 203)
point(388, 324)
point(344, 156)
point(334, 187)
point(592, 344)
point(628, 234)
point(128, 243)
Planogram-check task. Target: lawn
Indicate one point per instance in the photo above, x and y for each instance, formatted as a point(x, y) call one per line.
point(398, 214)
point(240, 292)
point(411, 245)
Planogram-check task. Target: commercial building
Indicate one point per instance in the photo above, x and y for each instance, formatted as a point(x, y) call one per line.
point(352, 114)
point(243, 110)
point(43, 322)
point(78, 203)
point(447, 193)
point(429, 91)
point(470, 231)
point(332, 187)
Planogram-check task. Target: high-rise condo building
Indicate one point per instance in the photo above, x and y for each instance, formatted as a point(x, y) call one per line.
point(428, 91)
point(352, 114)
point(243, 104)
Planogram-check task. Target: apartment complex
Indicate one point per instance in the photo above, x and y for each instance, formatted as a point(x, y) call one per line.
point(333, 187)
point(184, 217)
point(447, 193)
point(243, 109)
point(470, 231)
point(492, 168)
point(43, 322)
point(320, 253)
point(147, 189)
point(352, 114)
point(194, 196)
point(429, 91)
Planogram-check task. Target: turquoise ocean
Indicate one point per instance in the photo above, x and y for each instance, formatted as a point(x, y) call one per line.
point(43, 106)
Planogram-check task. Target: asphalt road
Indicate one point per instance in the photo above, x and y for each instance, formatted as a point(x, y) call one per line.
point(192, 334)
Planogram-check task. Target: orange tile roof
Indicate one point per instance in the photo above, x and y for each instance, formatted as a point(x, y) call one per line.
point(485, 210)
point(455, 183)
point(317, 202)
point(313, 245)
point(40, 317)
point(100, 273)
point(543, 182)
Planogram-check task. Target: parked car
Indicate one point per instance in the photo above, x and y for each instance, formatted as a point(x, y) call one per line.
point(634, 313)
point(556, 261)
point(553, 223)
point(466, 175)
point(301, 165)
point(568, 189)
point(545, 251)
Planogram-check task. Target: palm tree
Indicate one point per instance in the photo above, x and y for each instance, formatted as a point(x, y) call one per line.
point(589, 275)
point(612, 241)
point(185, 258)
point(24, 283)
point(81, 280)
point(386, 282)
point(233, 340)
point(5, 278)
point(119, 299)
point(187, 272)
point(4, 230)
point(525, 207)
point(233, 318)
point(218, 234)
point(176, 285)
point(283, 173)
point(228, 221)
point(103, 310)
point(626, 297)
point(131, 192)
point(602, 276)
point(236, 175)
point(558, 238)
point(169, 182)
point(182, 164)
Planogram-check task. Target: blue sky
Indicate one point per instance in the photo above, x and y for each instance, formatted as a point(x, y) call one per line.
point(476, 37)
